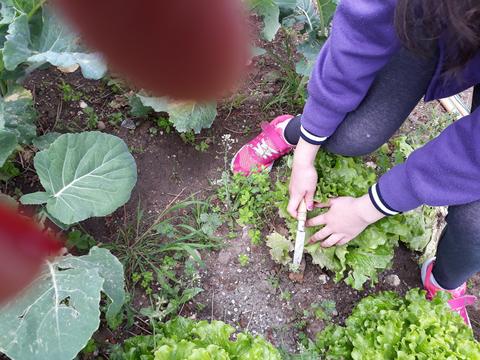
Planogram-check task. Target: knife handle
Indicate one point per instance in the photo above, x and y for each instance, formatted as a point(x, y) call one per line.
point(302, 211)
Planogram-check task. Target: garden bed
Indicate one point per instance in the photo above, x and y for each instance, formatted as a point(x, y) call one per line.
point(241, 284)
point(258, 297)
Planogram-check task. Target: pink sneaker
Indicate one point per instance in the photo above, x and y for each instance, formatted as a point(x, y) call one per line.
point(261, 152)
point(459, 301)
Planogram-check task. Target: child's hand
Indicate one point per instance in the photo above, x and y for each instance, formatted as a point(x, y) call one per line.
point(303, 182)
point(345, 219)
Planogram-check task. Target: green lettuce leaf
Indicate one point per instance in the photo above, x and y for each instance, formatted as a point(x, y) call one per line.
point(186, 339)
point(280, 248)
point(387, 326)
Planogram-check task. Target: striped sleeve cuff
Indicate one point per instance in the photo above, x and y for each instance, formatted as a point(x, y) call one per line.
point(311, 138)
point(379, 202)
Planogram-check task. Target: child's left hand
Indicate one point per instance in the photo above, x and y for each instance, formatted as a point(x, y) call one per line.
point(345, 219)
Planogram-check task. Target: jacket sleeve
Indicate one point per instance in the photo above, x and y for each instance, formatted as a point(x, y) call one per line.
point(446, 171)
point(362, 41)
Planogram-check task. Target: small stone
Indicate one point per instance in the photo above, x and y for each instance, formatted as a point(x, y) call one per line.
point(323, 279)
point(128, 124)
point(393, 280)
point(101, 125)
point(83, 104)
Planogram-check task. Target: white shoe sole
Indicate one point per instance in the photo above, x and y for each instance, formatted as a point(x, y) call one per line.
point(425, 266)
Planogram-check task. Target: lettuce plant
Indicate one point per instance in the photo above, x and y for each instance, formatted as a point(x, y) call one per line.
point(387, 326)
point(372, 251)
point(186, 339)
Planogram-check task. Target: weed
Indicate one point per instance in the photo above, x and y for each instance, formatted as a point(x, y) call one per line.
point(145, 279)
point(202, 146)
point(324, 310)
point(300, 324)
point(136, 150)
point(200, 306)
point(249, 200)
point(188, 137)
point(164, 124)
point(90, 348)
point(8, 171)
point(116, 85)
point(153, 131)
point(235, 102)
point(174, 288)
point(292, 94)
point(69, 93)
point(177, 229)
point(286, 295)
point(209, 222)
point(274, 281)
point(163, 259)
point(470, 285)
point(115, 119)
point(80, 241)
point(255, 236)
point(92, 117)
point(243, 259)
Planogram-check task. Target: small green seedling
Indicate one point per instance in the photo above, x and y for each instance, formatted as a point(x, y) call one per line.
point(164, 124)
point(286, 295)
point(69, 93)
point(92, 117)
point(146, 279)
point(115, 119)
point(243, 259)
point(79, 240)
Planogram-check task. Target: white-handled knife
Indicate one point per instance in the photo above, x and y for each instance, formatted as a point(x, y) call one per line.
point(300, 238)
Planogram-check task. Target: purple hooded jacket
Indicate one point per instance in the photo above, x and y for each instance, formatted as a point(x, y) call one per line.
point(446, 171)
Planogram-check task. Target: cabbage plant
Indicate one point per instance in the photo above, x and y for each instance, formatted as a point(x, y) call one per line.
point(57, 315)
point(30, 36)
point(84, 175)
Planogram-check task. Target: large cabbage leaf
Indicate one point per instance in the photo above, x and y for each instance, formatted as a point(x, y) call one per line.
point(270, 11)
point(84, 175)
point(185, 116)
point(16, 121)
point(57, 315)
point(56, 45)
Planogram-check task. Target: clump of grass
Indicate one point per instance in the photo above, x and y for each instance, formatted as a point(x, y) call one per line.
point(180, 228)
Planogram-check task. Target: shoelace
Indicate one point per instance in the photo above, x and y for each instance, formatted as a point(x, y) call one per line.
point(263, 150)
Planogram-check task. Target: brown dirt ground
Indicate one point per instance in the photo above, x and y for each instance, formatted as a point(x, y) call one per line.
point(241, 296)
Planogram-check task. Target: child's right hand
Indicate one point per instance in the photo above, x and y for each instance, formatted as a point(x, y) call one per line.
point(303, 182)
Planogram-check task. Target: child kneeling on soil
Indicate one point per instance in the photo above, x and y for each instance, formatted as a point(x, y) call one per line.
point(381, 58)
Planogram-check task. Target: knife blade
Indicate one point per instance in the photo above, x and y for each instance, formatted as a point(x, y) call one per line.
point(300, 238)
